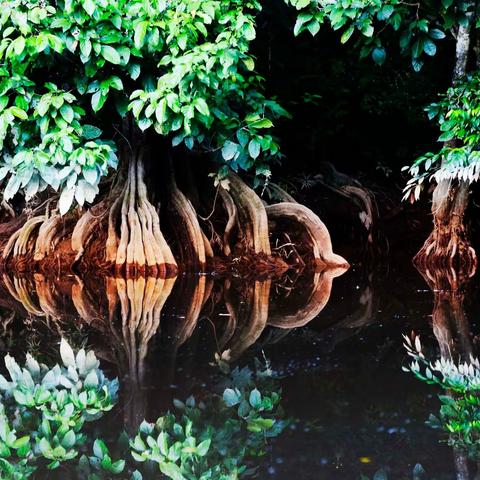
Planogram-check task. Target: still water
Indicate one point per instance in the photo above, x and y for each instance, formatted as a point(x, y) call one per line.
point(334, 340)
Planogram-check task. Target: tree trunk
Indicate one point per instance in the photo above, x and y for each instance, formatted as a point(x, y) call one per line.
point(448, 246)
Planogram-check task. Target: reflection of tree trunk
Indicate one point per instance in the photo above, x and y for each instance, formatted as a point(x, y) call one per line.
point(141, 303)
point(461, 465)
point(449, 322)
point(452, 331)
point(251, 318)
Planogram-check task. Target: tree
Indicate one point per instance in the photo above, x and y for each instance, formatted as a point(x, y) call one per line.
point(119, 71)
point(419, 26)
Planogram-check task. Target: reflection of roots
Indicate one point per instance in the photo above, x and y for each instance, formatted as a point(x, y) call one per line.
point(141, 302)
point(309, 307)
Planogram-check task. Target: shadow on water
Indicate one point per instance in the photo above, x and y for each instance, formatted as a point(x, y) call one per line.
point(333, 338)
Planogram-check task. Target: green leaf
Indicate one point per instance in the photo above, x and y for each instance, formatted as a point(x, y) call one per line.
point(436, 34)
point(429, 47)
point(69, 439)
point(66, 111)
point(379, 55)
point(254, 148)
point(230, 397)
point(89, 6)
point(66, 200)
point(255, 398)
point(202, 107)
point(229, 150)
point(203, 447)
point(171, 470)
point(110, 55)
point(90, 132)
point(264, 123)
point(139, 33)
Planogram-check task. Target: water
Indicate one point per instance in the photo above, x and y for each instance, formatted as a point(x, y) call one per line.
point(333, 339)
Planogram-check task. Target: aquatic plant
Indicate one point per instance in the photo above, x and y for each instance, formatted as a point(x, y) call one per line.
point(459, 414)
point(44, 412)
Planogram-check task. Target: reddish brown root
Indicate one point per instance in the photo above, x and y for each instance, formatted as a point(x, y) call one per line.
point(448, 247)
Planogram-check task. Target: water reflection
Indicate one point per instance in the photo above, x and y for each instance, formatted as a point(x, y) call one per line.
point(121, 318)
point(452, 331)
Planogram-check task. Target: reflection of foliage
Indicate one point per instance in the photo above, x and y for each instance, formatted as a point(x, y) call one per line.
point(417, 474)
point(459, 413)
point(44, 411)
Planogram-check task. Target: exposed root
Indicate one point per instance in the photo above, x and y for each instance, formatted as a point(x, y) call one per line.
point(251, 211)
point(140, 248)
point(232, 221)
point(86, 226)
point(190, 237)
point(50, 234)
point(317, 231)
point(20, 242)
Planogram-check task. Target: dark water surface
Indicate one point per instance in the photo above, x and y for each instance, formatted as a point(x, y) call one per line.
point(333, 339)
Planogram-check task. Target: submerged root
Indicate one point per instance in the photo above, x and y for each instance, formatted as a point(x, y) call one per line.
point(253, 319)
point(321, 289)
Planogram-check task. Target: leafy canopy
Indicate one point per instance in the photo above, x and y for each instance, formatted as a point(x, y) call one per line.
point(180, 67)
point(417, 25)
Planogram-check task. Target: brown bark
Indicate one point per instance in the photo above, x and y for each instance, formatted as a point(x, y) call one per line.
point(448, 246)
point(252, 215)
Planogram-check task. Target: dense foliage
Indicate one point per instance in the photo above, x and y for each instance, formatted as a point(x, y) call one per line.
point(418, 26)
point(182, 68)
point(458, 116)
point(44, 412)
